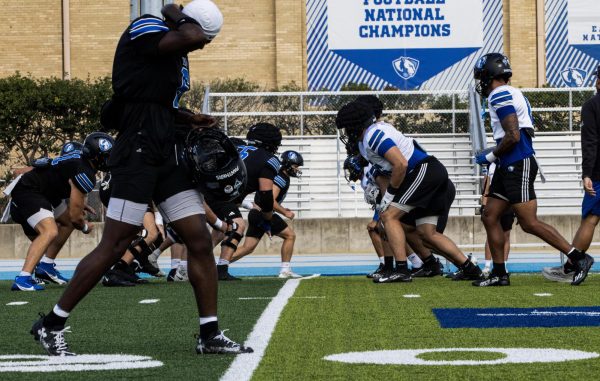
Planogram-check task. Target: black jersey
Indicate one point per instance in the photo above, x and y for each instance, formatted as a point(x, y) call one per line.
point(52, 180)
point(140, 74)
point(282, 181)
point(259, 164)
point(149, 85)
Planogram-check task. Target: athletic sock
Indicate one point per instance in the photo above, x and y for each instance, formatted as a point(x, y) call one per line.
point(209, 327)
point(381, 260)
point(488, 263)
point(45, 259)
point(499, 269)
point(183, 264)
point(175, 263)
point(24, 273)
point(285, 266)
point(122, 265)
point(56, 319)
point(402, 266)
point(575, 255)
point(223, 262)
point(417, 263)
point(388, 263)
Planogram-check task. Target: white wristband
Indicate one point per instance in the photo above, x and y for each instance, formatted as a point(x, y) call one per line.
point(85, 229)
point(247, 205)
point(218, 224)
point(491, 157)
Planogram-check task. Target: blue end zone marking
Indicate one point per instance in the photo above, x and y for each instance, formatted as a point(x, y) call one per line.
point(547, 317)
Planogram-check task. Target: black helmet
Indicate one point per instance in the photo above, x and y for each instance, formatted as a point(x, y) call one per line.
point(264, 135)
point(71, 147)
point(97, 147)
point(290, 158)
point(372, 101)
point(353, 118)
point(489, 67)
point(237, 141)
point(354, 168)
point(215, 164)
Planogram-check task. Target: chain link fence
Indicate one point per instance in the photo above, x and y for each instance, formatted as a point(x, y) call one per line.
point(420, 112)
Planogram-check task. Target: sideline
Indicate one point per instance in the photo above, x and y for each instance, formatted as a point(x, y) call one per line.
point(244, 365)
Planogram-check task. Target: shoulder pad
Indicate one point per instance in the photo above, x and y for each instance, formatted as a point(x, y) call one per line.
point(41, 162)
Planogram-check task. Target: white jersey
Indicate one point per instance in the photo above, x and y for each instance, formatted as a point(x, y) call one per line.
point(505, 100)
point(378, 139)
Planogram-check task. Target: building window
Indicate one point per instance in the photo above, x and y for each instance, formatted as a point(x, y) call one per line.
point(142, 7)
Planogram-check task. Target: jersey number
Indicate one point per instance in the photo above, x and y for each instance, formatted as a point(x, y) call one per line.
point(243, 150)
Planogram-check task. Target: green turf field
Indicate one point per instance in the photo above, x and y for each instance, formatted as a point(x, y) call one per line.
point(325, 316)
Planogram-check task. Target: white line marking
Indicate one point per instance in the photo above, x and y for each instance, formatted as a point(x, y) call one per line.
point(412, 296)
point(272, 297)
point(244, 365)
point(149, 301)
point(16, 303)
point(543, 294)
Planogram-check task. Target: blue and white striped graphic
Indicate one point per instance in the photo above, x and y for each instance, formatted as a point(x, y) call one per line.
point(328, 70)
point(147, 25)
point(566, 66)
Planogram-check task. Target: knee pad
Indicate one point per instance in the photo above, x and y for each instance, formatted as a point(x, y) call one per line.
point(229, 237)
point(133, 247)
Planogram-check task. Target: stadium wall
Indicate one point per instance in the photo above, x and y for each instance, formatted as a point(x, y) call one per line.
point(316, 236)
point(263, 41)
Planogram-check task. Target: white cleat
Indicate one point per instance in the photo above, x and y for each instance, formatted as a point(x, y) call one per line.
point(289, 274)
point(181, 275)
point(557, 274)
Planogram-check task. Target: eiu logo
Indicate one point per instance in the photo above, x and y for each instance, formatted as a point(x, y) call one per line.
point(68, 148)
point(573, 77)
point(104, 145)
point(406, 67)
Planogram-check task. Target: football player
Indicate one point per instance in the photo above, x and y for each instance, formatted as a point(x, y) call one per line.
point(291, 161)
point(150, 74)
point(512, 184)
point(262, 166)
point(416, 180)
point(38, 199)
point(590, 205)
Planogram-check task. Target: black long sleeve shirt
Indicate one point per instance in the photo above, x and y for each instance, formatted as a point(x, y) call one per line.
point(590, 138)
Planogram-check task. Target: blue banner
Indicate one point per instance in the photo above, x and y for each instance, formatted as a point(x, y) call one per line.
point(572, 42)
point(404, 44)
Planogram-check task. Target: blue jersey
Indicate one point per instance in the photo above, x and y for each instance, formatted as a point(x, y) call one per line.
point(504, 101)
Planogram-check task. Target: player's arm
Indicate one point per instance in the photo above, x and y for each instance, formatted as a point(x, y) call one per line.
point(77, 210)
point(277, 206)
point(589, 146)
point(399, 166)
point(512, 135)
point(265, 197)
point(185, 35)
point(214, 221)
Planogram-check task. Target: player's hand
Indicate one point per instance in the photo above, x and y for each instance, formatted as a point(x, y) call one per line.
point(187, 117)
point(89, 209)
point(385, 202)
point(372, 226)
point(483, 158)
point(588, 186)
point(289, 214)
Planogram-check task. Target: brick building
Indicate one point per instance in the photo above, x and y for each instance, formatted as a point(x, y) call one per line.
point(263, 41)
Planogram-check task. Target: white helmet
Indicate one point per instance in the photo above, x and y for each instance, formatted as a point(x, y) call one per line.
point(207, 14)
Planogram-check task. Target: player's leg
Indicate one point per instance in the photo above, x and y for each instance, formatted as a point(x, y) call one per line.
point(181, 275)
point(491, 217)
point(46, 268)
point(377, 243)
point(248, 246)
point(47, 231)
point(287, 248)
point(177, 251)
point(396, 238)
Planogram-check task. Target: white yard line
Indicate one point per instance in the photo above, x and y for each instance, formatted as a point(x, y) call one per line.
point(412, 296)
point(242, 368)
point(543, 294)
point(16, 303)
point(149, 301)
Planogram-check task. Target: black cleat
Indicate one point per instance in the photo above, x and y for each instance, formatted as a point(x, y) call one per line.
point(223, 272)
point(53, 341)
point(376, 272)
point(171, 275)
point(583, 267)
point(493, 280)
point(112, 278)
point(394, 276)
point(471, 272)
point(428, 270)
point(221, 344)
